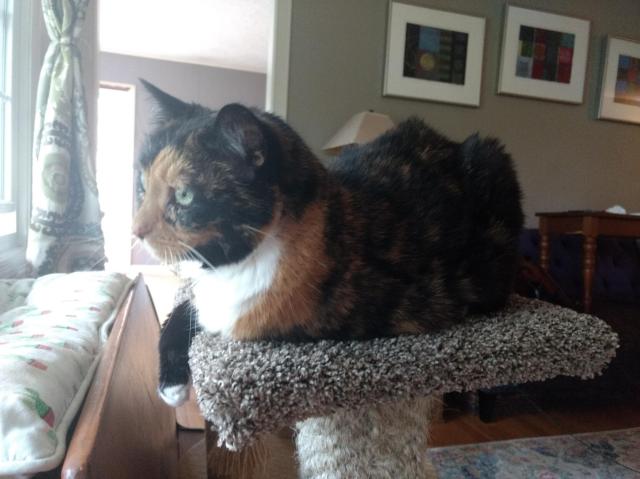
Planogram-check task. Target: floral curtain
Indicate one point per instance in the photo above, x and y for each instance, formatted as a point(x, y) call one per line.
point(65, 233)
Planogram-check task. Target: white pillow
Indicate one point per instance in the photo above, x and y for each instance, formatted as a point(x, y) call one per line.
point(49, 348)
point(13, 292)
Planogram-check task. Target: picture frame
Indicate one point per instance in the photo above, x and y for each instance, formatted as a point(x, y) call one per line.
point(544, 55)
point(434, 55)
point(620, 86)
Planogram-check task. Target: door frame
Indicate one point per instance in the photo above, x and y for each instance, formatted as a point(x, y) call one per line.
point(279, 54)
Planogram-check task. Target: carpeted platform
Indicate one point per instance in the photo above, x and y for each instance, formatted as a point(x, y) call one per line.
point(247, 388)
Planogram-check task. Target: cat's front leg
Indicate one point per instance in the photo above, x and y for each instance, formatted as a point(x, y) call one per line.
point(175, 339)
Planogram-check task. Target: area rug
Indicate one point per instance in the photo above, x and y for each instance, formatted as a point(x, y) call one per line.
point(603, 455)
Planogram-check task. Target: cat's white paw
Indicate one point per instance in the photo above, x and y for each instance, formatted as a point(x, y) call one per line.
point(175, 395)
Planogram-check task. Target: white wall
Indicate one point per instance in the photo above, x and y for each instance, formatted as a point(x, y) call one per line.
point(209, 86)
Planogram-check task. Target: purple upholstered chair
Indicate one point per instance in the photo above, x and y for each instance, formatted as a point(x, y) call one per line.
point(617, 276)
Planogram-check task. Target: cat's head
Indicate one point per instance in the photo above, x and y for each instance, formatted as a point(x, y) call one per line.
point(207, 181)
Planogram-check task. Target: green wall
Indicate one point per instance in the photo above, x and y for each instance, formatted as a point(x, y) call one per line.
point(566, 159)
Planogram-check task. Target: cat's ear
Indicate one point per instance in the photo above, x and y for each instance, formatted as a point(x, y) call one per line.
point(242, 131)
point(167, 106)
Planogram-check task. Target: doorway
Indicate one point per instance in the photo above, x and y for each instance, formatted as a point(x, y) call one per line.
point(114, 165)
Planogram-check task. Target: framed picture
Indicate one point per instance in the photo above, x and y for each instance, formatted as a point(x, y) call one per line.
point(544, 55)
point(620, 89)
point(433, 55)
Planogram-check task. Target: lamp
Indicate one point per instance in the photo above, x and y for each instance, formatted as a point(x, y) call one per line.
point(361, 128)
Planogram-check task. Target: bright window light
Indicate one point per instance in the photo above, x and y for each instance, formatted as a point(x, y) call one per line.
point(116, 119)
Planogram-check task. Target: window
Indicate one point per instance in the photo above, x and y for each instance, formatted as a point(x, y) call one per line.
point(16, 120)
point(7, 206)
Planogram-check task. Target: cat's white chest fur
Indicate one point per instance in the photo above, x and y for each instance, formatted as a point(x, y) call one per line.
point(222, 295)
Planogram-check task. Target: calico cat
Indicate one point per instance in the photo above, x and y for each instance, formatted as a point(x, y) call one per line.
point(407, 234)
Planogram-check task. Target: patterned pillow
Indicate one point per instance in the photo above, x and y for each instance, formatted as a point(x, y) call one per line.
point(13, 293)
point(49, 347)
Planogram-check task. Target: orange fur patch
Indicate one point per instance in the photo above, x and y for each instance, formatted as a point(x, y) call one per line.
point(167, 173)
point(157, 191)
point(292, 300)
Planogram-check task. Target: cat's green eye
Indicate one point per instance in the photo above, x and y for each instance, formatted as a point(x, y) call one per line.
point(184, 196)
point(143, 181)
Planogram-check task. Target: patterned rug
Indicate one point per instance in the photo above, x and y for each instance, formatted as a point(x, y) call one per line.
point(603, 455)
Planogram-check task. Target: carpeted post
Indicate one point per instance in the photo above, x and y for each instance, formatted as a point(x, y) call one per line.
point(385, 441)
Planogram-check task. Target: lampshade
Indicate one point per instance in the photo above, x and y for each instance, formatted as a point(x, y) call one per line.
point(361, 128)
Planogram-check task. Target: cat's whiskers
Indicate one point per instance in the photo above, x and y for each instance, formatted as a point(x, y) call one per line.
point(255, 230)
point(197, 254)
point(174, 258)
point(166, 251)
point(81, 241)
point(104, 257)
point(192, 323)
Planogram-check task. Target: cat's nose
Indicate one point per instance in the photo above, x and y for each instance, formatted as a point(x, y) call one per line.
point(141, 229)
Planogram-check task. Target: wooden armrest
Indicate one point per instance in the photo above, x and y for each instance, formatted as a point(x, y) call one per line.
point(124, 429)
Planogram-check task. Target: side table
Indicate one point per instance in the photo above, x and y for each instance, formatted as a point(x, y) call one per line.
point(589, 224)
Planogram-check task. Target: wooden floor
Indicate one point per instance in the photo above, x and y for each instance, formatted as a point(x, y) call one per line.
point(466, 427)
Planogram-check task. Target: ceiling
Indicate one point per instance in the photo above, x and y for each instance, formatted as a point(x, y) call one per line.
point(222, 33)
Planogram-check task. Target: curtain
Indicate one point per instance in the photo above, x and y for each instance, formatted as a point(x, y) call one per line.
point(65, 233)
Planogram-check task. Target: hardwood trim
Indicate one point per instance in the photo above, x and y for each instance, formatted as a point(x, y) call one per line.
point(583, 213)
point(544, 243)
point(588, 268)
point(124, 429)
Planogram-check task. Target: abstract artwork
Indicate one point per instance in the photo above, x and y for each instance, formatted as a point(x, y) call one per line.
point(544, 55)
point(628, 81)
point(620, 90)
point(434, 55)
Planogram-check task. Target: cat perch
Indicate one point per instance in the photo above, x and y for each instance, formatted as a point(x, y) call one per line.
point(360, 407)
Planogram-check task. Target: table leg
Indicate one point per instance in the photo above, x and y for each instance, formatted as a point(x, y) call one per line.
point(588, 268)
point(544, 251)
